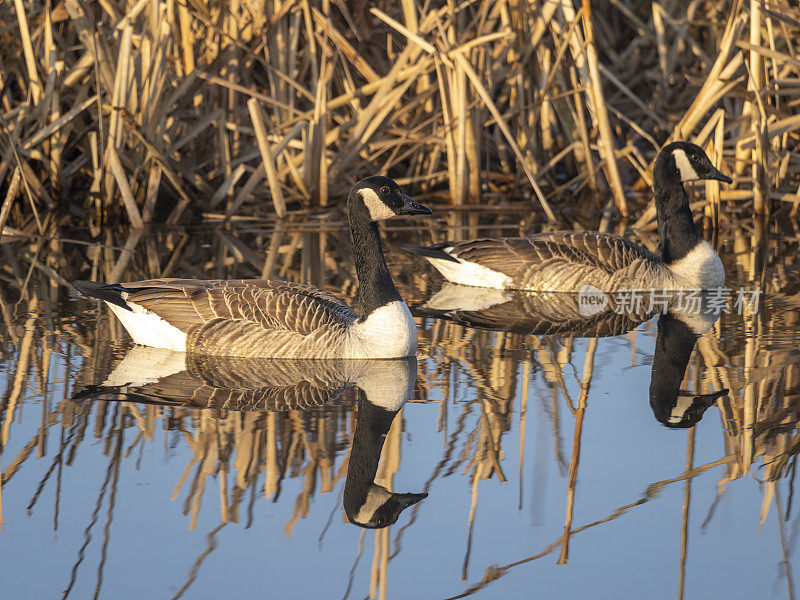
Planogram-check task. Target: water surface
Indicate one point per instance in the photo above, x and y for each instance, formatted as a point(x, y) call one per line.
point(546, 462)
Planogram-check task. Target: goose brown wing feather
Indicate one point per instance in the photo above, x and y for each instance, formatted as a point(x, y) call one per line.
point(547, 313)
point(243, 384)
point(516, 257)
point(262, 304)
point(607, 249)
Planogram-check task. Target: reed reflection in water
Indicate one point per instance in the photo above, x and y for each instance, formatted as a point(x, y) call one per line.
point(536, 444)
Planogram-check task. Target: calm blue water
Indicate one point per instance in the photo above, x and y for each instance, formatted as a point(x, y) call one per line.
point(516, 439)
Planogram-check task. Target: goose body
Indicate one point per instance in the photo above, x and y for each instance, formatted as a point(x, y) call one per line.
point(276, 319)
point(568, 260)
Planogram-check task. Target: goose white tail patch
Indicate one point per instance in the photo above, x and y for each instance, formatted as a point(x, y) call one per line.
point(469, 298)
point(148, 329)
point(470, 273)
point(684, 166)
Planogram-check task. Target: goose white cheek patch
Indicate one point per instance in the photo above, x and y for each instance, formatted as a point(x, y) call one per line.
point(376, 207)
point(684, 166)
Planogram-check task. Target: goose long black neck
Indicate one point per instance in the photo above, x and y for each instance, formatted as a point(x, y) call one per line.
point(372, 425)
point(674, 346)
point(676, 229)
point(375, 285)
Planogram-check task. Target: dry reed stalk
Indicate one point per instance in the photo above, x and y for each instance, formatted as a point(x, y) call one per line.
point(588, 371)
point(607, 140)
point(267, 160)
point(184, 74)
point(11, 193)
point(36, 90)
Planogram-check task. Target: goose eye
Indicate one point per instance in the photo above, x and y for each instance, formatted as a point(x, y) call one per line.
point(385, 190)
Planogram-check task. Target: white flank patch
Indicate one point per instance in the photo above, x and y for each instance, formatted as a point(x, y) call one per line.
point(143, 365)
point(377, 208)
point(470, 273)
point(387, 384)
point(148, 329)
point(684, 166)
point(469, 298)
point(388, 332)
point(701, 268)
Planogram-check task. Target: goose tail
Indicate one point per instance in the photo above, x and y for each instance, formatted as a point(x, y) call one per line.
point(438, 251)
point(111, 293)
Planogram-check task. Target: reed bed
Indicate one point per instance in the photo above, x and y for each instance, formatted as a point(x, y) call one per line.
point(160, 111)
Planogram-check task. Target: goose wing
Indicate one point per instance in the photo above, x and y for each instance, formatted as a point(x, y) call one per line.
point(244, 317)
point(605, 250)
point(515, 257)
point(159, 376)
point(248, 384)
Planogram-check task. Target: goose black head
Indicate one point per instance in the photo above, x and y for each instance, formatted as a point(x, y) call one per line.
point(685, 161)
point(384, 199)
point(381, 507)
point(681, 409)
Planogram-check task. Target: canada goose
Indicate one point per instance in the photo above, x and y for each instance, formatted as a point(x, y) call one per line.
point(168, 378)
point(275, 319)
point(677, 336)
point(566, 261)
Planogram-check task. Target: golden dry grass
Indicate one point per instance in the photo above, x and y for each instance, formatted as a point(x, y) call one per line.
point(149, 109)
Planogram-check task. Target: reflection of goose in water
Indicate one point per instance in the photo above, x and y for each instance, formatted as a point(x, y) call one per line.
point(677, 336)
point(164, 377)
point(559, 314)
point(537, 313)
point(366, 503)
point(158, 376)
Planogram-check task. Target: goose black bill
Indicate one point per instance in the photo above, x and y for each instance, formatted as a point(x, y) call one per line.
point(411, 207)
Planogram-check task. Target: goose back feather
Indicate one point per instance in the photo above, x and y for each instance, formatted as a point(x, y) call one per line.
point(248, 318)
point(557, 262)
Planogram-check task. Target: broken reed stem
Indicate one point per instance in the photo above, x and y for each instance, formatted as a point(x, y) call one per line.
point(607, 144)
point(267, 160)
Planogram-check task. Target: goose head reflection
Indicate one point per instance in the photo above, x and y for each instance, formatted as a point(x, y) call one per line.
point(163, 377)
point(381, 396)
point(678, 333)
